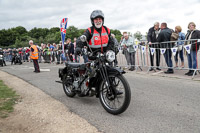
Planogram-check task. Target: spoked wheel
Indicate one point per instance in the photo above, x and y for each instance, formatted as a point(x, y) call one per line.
point(68, 89)
point(115, 99)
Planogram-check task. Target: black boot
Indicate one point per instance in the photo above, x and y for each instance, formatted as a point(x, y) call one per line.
point(188, 72)
point(191, 73)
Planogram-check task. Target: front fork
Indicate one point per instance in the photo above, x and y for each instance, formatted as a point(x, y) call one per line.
point(106, 79)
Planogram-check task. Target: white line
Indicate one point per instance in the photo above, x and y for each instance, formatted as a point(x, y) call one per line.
point(157, 73)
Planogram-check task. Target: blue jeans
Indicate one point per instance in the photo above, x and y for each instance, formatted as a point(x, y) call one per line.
point(180, 55)
point(168, 59)
point(192, 60)
point(10, 58)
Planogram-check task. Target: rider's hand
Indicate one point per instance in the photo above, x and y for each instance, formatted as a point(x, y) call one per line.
point(83, 38)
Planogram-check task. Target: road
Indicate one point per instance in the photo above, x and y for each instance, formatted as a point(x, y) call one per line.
point(158, 104)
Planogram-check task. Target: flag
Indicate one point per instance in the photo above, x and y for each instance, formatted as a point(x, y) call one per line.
point(162, 50)
point(174, 50)
point(63, 27)
point(135, 47)
point(143, 49)
point(187, 48)
point(152, 50)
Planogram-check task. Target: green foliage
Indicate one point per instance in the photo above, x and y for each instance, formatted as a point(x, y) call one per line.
point(72, 32)
point(117, 34)
point(138, 35)
point(19, 36)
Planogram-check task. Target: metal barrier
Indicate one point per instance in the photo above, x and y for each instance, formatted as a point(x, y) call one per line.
point(164, 55)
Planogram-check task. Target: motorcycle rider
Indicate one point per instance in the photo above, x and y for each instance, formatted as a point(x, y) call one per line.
point(98, 36)
point(2, 53)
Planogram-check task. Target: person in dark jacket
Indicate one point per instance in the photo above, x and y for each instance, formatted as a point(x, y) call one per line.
point(152, 38)
point(165, 36)
point(70, 50)
point(98, 36)
point(192, 56)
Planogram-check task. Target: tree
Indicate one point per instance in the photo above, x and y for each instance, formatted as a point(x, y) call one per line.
point(38, 32)
point(117, 34)
point(54, 30)
point(20, 30)
point(72, 32)
point(138, 35)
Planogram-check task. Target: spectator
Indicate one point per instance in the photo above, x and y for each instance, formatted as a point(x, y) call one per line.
point(58, 51)
point(50, 48)
point(61, 52)
point(53, 52)
point(71, 50)
point(77, 57)
point(24, 54)
point(128, 43)
point(20, 53)
point(10, 54)
point(46, 54)
point(181, 37)
point(27, 54)
point(124, 49)
point(192, 57)
point(66, 48)
point(164, 36)
point(7, 55)
point(116, 44)
point(152, 38)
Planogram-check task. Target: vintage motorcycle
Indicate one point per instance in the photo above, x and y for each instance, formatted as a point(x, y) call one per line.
point(98, 78)
point(17, 59)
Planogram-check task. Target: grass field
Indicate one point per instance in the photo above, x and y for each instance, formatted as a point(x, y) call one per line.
point(8, 98)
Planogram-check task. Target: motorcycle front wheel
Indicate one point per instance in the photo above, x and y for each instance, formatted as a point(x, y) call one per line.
point(116, 99)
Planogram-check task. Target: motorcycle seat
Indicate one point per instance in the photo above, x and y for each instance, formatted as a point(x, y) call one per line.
point(75, 65)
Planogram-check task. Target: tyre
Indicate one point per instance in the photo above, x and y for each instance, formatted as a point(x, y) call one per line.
point(67, 87)
point(117, 100)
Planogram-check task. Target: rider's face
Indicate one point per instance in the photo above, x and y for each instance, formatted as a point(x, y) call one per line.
point(98, 22)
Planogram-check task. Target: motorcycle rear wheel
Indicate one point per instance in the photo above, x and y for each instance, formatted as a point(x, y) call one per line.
point(68, 89)
point(115, 103)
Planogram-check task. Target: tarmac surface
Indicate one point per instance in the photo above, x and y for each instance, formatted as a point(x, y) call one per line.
point(159, 103)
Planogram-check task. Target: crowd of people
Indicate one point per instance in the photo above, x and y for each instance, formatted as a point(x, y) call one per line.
point(52, 53)
point(48, 53)
point(160, 36)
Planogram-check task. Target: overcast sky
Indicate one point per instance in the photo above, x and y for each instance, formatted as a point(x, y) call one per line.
point(124, 15)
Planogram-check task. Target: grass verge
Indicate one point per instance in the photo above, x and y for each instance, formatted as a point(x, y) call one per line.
point(8, 98)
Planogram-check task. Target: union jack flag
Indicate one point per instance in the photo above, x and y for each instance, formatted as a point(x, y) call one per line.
point(63, 27)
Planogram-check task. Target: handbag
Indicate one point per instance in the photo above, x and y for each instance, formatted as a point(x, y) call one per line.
point(180, 47)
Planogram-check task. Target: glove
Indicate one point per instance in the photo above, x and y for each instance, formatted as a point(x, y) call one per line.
point(83, 38)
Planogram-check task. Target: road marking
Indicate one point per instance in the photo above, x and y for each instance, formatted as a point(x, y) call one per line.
point(41, 69)
point(45, 70)
point(157, 73)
